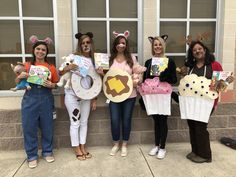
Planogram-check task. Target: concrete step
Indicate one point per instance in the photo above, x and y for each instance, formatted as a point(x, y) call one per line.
point(222, 123)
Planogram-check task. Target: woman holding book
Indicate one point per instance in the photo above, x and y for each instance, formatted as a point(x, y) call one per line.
point(202, 63)
point(121, 111)
point(169, 76)
point(38, 105)
point(79, 109)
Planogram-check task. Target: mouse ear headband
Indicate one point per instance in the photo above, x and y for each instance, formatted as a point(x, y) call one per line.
point(79, 35)
point(164, 37)
point(125, 34)
point(33, 39)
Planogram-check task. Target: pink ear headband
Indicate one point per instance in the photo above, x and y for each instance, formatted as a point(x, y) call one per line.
point(125, 34)
point(33, 39)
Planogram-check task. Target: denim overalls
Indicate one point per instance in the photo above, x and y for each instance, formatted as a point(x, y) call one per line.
point(37, 112)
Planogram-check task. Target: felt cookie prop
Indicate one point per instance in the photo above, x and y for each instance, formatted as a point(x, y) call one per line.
point(192, 85)
point(117, 85)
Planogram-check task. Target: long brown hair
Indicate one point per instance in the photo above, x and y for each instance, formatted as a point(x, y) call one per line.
point(127, 53)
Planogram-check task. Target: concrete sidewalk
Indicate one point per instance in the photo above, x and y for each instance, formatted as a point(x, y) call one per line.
point(136, 164)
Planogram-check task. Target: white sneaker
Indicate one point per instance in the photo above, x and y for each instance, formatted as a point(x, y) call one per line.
point(33, 163)
point(124, 151)
point(161, 154)
point(154, 151)
point(114, 150)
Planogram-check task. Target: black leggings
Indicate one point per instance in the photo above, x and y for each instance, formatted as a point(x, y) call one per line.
point(160, 129)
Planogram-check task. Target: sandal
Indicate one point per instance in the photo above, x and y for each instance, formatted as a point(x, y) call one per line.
point(88, 155)
point(81, 157)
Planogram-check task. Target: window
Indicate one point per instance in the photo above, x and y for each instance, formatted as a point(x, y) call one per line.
point(107, 16)
point(188, 17)
point(19, 19)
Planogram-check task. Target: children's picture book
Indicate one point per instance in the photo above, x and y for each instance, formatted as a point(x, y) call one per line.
point(37, 74)
point(158, 65)
point(101, 60)
point(218, 81)
point(83, 63)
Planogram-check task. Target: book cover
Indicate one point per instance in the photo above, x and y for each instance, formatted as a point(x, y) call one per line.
point(158, 65)
point(83, 63)
point(218, 81)
point(101, 60)
point(37, 74)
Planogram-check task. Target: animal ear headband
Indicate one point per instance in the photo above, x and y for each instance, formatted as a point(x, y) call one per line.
point(199, 37)
point(125, 34)
point(33, 39)
point(164, 37)
point(79, 35)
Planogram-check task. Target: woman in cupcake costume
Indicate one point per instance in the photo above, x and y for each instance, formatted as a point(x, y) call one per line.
point(160, 70)
point(201, 63)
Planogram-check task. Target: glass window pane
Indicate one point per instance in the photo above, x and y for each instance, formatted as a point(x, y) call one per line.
point(9, 8)
point(7, 76)
point(99, 32)
point(123, 26)
point(36, 8)
point(176, 32)
point(41, 29)
point(91, 8)
point(203, 9)
point(10, 37)
point(170, 9)
point(51, 60)
point(179, 61)
point(123, 8)
point(206, 30)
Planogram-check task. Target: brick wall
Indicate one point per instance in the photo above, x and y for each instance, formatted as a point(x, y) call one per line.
point(222, 123)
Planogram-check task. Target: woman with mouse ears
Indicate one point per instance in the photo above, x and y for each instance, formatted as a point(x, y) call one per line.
point(167, 75)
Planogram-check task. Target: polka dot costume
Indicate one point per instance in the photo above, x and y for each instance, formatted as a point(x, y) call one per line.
point(193, 85)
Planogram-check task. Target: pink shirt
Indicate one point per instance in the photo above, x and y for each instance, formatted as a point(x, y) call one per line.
point(125, 67)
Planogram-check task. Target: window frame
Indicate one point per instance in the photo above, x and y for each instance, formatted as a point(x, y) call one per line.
point(107, 19)
point(23, 55)
point(188, 20)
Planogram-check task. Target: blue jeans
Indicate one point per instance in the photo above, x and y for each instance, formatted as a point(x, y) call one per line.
point(37, 112)
point(121, 112)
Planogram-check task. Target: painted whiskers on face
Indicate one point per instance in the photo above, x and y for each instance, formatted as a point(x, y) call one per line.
point(86, 45)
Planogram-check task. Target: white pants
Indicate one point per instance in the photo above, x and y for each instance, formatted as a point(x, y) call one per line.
point(78, 111)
